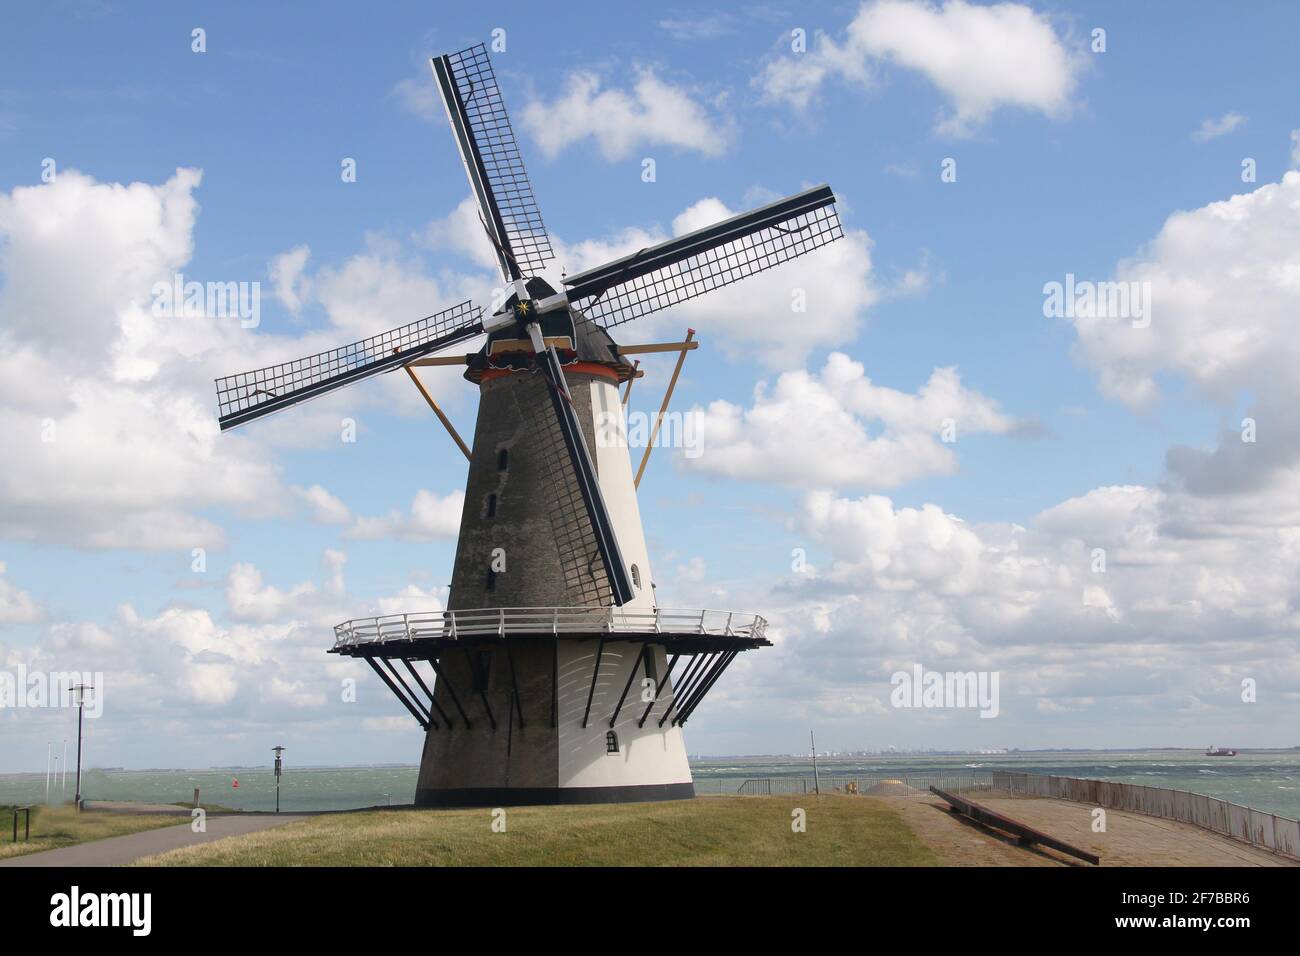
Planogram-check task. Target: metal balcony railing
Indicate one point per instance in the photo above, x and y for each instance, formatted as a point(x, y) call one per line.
point(543, 621)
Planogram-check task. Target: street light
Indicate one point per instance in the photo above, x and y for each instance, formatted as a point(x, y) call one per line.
point(79, 698)
point(278, 750)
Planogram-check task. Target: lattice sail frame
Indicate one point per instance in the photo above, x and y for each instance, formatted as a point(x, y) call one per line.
point(811, 225)
point(248, 395)
point(485, 110)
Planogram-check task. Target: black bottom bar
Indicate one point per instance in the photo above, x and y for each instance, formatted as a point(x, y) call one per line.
point(551, 796)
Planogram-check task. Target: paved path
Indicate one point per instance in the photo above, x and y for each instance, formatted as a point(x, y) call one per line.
point(121, 850)
point(1131, 839)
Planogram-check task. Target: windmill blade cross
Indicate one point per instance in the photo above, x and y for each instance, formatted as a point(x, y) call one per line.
point(249, 395)
point(706, 259)
point(493, 163)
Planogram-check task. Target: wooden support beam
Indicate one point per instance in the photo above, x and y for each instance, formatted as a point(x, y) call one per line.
point(631, 378)
point(438, 360)
point(1026, 833)
point(683, 348)
point(686, 346)
point(446, 422)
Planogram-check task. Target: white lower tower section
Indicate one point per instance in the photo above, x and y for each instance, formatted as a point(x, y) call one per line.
point(647, 755)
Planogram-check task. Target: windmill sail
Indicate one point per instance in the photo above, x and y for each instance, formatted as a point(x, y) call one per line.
point(478, 118)
point(249, 395)
point(707, 259)
point(588, 484)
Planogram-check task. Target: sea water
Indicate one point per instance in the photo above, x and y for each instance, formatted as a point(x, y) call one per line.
point(1265, 779)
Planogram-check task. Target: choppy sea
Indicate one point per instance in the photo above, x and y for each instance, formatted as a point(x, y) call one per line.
point(1265, 779)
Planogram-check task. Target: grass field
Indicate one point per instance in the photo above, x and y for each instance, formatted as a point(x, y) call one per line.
point(713, 831)
point(53, 827)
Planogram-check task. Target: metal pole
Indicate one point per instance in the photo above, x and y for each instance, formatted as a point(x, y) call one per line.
point(64, 791)
point(817, 787)
point(81, 710)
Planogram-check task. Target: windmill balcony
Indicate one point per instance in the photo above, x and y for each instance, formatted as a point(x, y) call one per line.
point(662, 625)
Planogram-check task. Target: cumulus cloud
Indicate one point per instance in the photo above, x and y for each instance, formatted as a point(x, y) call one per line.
point(286, 275)
point(1214, 128)
point(653, 112)
point(204, 684)
point(106, 406)
point(1224, 285)
point(1151, 640)
point(981, 58)
point(418, 96)
point(431, 516)
point(106, 402)
point(324, 507)
point(16, 605)
point(837, 428)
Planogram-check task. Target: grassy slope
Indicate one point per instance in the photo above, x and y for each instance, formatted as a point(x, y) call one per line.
point(718, 831)
point(53, 827)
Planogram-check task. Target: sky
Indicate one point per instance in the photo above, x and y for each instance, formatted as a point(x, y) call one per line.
point(929, 466)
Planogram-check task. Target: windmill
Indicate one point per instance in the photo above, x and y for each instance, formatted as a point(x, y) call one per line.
point(527, 684)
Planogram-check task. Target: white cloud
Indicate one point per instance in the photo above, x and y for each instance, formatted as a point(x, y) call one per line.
point(324, 507)
point(1214, 128)
point(287, 275)
point(838, 428)
point(981, 58)
point(16, 605)
point(652, 113)
point(461, 231)
point(1295, 149)
point(418, 97)
point(1225, 283)
point(431, 516)
point(194, 680)
point(106, 407)
point(1174, 621)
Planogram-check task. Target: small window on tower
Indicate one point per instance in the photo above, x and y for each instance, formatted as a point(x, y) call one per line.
point(636, 577)
point(611, 742)
point(492, 506)
point(651, 664)
point(503, 459)
point(491, 580)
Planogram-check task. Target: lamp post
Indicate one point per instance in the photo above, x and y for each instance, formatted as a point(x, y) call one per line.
point(79, 696)
point(278, 750)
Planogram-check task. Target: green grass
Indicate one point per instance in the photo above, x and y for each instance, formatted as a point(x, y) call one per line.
point(53, 827)
point(713, 831)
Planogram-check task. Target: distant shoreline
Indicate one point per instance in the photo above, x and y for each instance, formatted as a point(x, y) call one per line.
point(706, 758)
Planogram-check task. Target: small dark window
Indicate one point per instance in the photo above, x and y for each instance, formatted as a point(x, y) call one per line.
point(636, 577)
point(503, 459)
point(482, 671)
point(611, 742)
point(651, 665)
point(492, 506)
point(491, 580)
